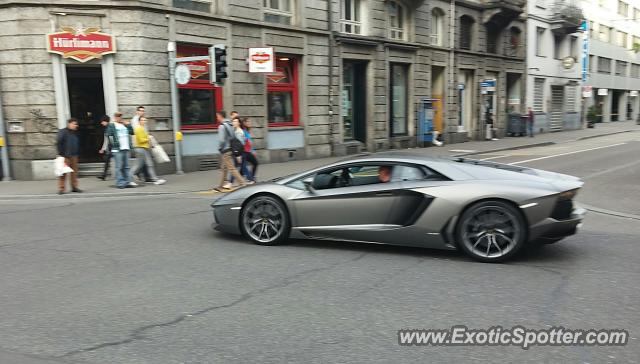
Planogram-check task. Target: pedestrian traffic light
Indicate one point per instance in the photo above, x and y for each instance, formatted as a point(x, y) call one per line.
point(218, 71)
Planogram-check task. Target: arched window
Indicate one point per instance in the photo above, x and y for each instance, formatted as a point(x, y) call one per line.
point(397, 21)
point(466, 32)
point(515, 42)
point(493, 38)
point(437, 27)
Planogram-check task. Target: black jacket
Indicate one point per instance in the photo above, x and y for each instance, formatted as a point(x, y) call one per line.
point(68, 143)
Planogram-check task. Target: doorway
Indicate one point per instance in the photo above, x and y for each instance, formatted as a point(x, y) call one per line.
point(86, 103)
point(354, 100)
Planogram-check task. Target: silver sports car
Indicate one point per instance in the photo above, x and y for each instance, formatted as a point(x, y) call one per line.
point(488, 210)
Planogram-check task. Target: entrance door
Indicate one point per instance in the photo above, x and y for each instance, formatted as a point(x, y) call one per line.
point(354, 96)
point(86, 103)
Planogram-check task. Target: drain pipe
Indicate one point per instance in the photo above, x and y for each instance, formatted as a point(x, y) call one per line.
point(4, 151)
point(452, 46)
point(332, 140)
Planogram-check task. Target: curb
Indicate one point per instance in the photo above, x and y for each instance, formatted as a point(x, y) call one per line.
point(542, 144)
point(602, 135)
point(54, 196)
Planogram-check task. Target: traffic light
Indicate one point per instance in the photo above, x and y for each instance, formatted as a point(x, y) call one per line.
point(218, 68)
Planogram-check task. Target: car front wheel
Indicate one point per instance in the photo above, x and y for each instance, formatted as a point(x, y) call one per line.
point(264, 220)
point(491, 231)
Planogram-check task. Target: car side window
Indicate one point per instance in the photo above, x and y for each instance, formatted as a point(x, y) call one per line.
point(407, 173)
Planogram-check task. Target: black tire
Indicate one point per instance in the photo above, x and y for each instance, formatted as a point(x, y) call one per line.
point(491, 231)
point(265, 220)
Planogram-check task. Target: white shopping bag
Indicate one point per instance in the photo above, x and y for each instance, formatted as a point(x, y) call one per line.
point(60, 167)
point(159, 155)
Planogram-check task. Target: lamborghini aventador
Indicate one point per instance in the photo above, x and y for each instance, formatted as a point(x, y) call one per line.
point(488, 210)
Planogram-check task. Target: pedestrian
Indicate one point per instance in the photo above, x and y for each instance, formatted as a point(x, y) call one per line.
point(234, 115)
point(249, 151)
point(135, 120)
point(119, 133)
point(69, 148)
point(143, 153)
point(530, 121)
point(105, 150)
point(239, 158)
point(225, 136)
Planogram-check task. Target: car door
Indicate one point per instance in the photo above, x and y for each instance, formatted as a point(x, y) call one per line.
point(361, 205)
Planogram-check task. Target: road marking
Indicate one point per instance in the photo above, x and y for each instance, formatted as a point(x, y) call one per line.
point(561, 154)
point(500, 156)
point(463, 151)
point(606, 171)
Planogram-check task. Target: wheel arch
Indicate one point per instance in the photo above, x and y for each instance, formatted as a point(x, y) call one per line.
point(500, 199)
point(264, 193)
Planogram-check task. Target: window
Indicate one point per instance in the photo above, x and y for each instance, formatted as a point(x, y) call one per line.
point(621, 39)
point(282, 92)
point(573, 47)
point(604, 65)
point(621, 68)
point(592, 63)
point(366, 174)
point(197, 5)
point(437, 27)
point(592, 29)
point(636, 14)
point(396, 20)
point(493, 36)
point(557, 46)
point(540, 32)
point(623, 9)
point(199, 99)
point(515, 42)
point(635, 43)
point(278, 11)
point(399, 97)
point(351, 22)
point(635, 70)
point(605, 33)
point(466, 32)
point(538, 94)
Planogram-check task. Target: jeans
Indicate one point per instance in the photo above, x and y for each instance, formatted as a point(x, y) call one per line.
point(530, 129)
point(122, 167)
point(144, 164)
point(106, 157)
point(250, 158)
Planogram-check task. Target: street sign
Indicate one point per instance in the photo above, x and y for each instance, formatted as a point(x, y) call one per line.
point(587, 91)
point(183, 74)
point(585, 50)
point(633, 94)
point(81, 43)
point(603, 92)
point(261, 60)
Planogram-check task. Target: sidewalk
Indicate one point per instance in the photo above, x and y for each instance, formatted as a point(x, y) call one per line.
point(203, 181)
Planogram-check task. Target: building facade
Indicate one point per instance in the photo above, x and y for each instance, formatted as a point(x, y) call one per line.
point(614, 58)
point(554, 71)
point(349, 76)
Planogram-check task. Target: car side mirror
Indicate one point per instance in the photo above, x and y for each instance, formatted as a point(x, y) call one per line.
point(308, 184)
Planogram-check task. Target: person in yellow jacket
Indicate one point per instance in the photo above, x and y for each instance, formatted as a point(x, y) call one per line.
point(142, 143)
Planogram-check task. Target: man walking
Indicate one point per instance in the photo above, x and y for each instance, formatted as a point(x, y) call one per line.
point(225, 134)
point(135, 120)
point(69, 148)
point(530, 121)
point(119, 134)
point(105, 151)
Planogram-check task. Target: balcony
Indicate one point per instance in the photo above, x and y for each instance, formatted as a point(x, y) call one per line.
point(566, 17)
point(500, 13)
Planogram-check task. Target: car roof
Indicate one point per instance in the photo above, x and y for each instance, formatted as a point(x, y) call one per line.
point(398, 156)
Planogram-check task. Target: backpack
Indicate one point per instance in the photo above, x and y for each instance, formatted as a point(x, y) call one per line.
point(236, 145)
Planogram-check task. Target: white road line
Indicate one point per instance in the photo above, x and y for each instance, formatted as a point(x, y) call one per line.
point(500, 156)
point(561, 154)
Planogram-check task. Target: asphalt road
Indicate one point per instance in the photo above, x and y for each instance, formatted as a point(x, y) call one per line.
point(145, 280)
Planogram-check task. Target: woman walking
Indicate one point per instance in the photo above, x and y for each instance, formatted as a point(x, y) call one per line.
point(239, 159)
point(249, 155)
point(143, 154)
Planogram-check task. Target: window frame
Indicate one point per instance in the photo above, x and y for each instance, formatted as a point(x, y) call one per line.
point(437, 32)
point(540, 41)
point(196, 84)
point(282, 13)
point(400, 30)
point(472, 24)
point(292, 87)
point(356, 24)
point(211, 4)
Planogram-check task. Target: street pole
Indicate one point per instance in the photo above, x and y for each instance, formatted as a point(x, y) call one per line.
point(175, 110)
point(332, 141)
point(4, 149)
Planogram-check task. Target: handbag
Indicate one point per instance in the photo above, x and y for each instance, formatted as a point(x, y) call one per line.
point(60, 167)
point(159, 155)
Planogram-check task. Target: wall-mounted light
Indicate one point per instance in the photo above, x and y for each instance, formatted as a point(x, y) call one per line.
point(284, 58)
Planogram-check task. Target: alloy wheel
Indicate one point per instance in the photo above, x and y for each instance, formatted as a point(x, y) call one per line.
point(264, 220)
point(490, 232)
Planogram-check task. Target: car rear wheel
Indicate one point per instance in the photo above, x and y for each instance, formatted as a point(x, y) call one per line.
point(491, 231)
point(264, 220)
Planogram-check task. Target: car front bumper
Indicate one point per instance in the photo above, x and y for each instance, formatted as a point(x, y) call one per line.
point(226, 218)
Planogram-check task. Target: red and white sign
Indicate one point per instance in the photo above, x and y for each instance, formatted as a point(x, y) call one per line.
point(81, 44)
point(261, 60)
point(587, 91)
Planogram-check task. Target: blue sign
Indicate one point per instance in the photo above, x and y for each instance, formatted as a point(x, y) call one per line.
point(584, 27)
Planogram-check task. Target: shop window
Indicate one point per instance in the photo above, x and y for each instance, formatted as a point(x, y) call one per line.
point(197, 5)
point(199, 99)
point(278, 11)
point(399, 88)
point(282, 93)
point(466, 32)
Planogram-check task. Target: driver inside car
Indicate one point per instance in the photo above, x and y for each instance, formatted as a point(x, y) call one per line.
point(384, 174)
